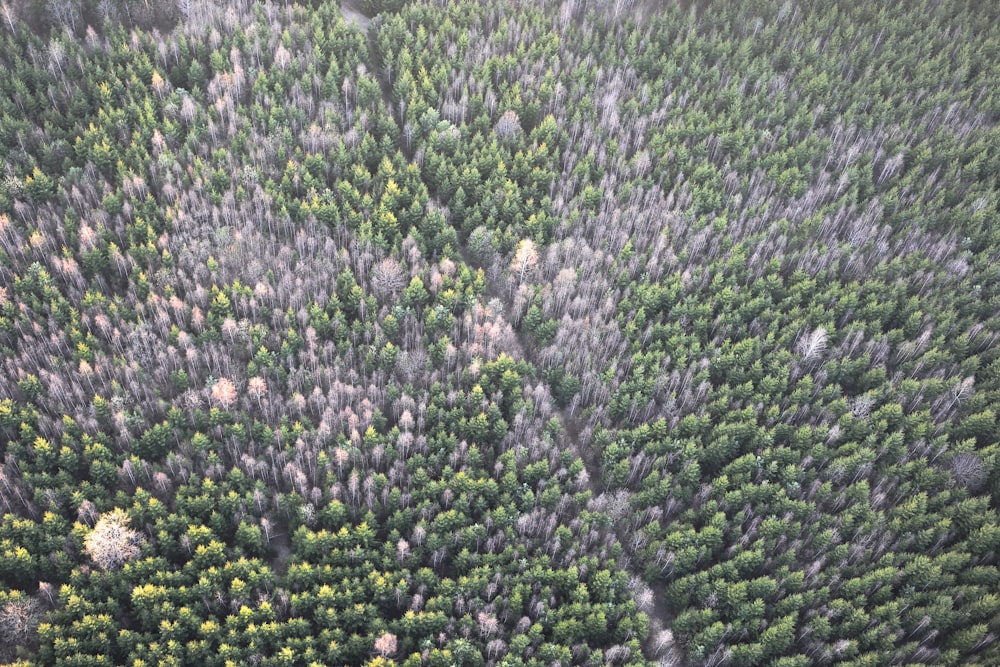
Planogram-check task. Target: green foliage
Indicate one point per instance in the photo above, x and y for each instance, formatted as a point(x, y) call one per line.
point(501, 333)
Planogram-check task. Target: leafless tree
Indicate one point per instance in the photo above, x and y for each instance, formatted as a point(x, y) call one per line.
point(525, 259)
point(385, 644)
point(968, 470)
point(19, 618)
point(508, 127)
point(813, 344)
point(388, 278)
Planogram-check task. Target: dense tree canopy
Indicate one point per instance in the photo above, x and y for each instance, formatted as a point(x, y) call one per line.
point(503, 333)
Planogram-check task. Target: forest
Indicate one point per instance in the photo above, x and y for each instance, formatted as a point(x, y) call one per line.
point(419, 333)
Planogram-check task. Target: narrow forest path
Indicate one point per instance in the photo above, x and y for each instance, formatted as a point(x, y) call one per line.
point(659, 642)
point(652, 605)
point(353, 15)
point(351, 12)
point(281, 544)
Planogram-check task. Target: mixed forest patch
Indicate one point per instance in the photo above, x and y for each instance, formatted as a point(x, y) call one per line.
point(432, 333)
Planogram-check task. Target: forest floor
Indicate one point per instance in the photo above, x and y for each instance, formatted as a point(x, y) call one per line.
point(351, 12)
point(281, 543)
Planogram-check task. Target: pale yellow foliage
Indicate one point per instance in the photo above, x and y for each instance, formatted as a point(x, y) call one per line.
point(525, 259)
point(386, 645)
point(112, 543)
point(224, 392)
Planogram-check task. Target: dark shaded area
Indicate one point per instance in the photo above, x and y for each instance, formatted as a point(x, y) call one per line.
point(75, 16)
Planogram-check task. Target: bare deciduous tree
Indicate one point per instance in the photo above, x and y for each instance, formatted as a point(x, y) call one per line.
point(388, 278)
point(224, 392)
point(525, 259)
point(385, 645)
point(257, 389)
point(509, 126)
point(813, 344)
point(19, 618)
point(968, 470)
